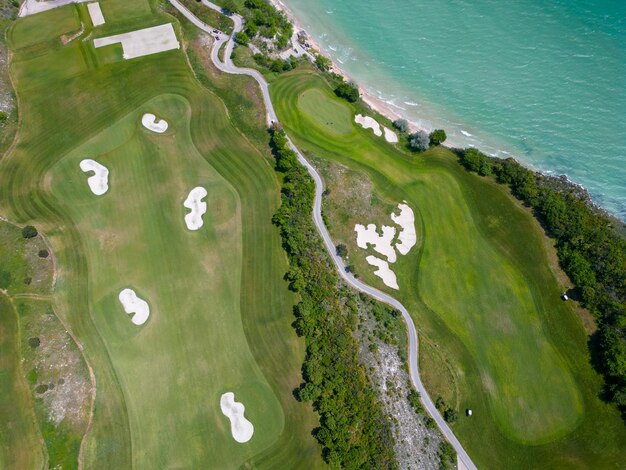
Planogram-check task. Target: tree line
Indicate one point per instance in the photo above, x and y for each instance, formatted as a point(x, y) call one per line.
point(591, 250)
point(353, 430)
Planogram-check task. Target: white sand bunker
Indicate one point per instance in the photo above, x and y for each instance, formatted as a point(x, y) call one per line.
point(150, 122)
point(240, 427)
point(143, 41)
point(133, 304)
point(99, 182)
point(367, 122)
point(196, 206)
point(390, 136)
point(95, 13)
point(383, 271)
point(382, 244)
point(407, 236)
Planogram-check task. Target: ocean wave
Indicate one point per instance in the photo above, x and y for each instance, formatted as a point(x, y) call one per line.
point(411, 103)
point(466, 134)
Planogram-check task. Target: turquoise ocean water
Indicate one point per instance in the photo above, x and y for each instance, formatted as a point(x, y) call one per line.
point(543, 81)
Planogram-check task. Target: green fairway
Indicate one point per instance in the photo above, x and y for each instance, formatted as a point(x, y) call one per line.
point(135, 237)
point(220, 311)
point(478, 285)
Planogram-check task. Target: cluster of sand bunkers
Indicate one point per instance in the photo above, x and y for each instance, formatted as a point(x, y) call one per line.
point(367, 122)
point(240, 427)
point(386, 243)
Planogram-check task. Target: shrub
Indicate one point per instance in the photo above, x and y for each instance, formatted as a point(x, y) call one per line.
point(242, 38)
point(401, 124)
point(347, 91)
point(450, 415)
point(43, 253)
point(437, 136)
point(419, 141)
point(34, 342)
point(3, 116)
point(29, 232)
point(342, 250)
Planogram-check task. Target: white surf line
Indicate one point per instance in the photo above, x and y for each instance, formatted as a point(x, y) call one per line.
point(407, 236)
point(367, 122)
point(382, 244)
point(228, 67)
point(143, 41)
point(149, 121)
point(240, 428)
point(194, 203)
point(383, 271)
point(133, 304)
point(99, 182)
point(95, 13)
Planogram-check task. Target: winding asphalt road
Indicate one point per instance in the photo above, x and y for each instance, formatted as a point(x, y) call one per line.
point(228, 67)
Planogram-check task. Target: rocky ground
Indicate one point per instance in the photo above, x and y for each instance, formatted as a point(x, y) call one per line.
point(418, 441)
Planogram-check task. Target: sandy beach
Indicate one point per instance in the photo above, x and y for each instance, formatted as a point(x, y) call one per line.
point(369, 98)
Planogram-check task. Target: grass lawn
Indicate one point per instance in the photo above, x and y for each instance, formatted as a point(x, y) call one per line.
point(20, 441)
point(480, 289)
point(220, 310)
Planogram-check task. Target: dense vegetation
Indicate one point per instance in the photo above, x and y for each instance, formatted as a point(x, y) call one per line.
point(591, 251)
point(264, 20)
point(347, 91)
point(209, 16)
point(352, 430)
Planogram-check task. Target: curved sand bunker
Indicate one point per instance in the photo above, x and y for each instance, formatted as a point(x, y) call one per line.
point(196, 206)
point(383, 271)
point(133, 304)
point(240, 427)
point(367, 122)
point(149, 122)
point(390, 136)
point(407, 236)
point(382, 244)
point(99, 182)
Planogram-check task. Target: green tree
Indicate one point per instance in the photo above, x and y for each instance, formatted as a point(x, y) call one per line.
point(450, 415)
point(29, 232)
point(437, 136)
point(347, 91)
point(229, 7)
point(342, 250)
point(322, 63)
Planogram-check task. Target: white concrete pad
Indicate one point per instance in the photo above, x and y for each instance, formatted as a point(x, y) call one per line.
point(390, 136)
point(368, 123)
point(99, 181)
point(407, 236)
point(30, 7)
point(149, 121)
point(95, 13)
point(382, 244)
point(143, 41)
point(241, 429)
point(198, 208)
point(133, 304)
point(383, 271)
